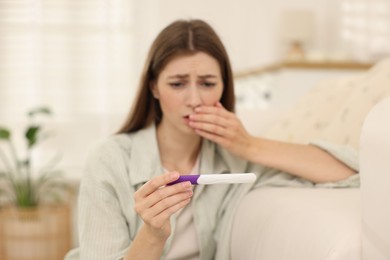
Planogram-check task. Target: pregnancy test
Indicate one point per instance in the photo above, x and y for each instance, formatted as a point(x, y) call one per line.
point(217, 178)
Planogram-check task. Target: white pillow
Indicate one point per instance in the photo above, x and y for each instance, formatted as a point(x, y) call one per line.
point(335, 109)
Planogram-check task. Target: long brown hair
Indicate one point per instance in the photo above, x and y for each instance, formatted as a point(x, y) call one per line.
point(179, 38)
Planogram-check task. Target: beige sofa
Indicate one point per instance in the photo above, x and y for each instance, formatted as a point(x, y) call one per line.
point(307, 223)
point(375, 182)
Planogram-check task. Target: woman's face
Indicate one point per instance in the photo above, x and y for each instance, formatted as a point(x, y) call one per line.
point(185, 83)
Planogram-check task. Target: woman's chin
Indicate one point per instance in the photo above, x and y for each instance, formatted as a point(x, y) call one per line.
point(190, 130)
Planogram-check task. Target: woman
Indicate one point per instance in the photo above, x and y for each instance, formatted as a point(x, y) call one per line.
point(183, 122)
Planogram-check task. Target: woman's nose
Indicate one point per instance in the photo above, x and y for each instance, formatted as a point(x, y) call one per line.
point(194, 97)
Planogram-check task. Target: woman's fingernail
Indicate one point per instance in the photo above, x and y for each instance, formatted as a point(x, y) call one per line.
point(187, 184)
point(174, 175)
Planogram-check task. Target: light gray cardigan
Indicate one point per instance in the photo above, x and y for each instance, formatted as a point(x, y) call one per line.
point(118, 167)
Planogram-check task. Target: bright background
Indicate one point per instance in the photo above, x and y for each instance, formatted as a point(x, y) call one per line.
point(83, 58)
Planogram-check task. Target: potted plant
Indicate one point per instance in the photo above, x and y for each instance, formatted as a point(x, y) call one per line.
point(35, 216)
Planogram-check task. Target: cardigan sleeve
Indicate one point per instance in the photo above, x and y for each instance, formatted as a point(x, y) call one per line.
point(104, 232)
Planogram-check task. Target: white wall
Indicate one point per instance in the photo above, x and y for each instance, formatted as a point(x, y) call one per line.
point(249, 28)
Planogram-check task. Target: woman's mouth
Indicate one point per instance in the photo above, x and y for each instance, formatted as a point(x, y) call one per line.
point(186, 119)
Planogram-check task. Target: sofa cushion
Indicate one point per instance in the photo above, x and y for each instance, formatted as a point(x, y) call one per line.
point(298, 223)
point(375, 189)
point(335, 109)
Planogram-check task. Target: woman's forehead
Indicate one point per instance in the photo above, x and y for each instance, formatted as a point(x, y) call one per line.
point(200, 63)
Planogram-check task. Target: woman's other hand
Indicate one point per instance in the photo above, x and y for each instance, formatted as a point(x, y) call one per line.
point(156, 202)
point(222, 127)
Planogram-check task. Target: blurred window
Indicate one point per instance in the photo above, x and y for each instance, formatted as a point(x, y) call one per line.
point(74, 55)
point(365, 26)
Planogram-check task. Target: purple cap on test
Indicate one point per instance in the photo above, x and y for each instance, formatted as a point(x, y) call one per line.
point(191, 178)
point(217, 178)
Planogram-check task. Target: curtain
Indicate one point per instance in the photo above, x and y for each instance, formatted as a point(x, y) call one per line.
point(74, 56)
point(365, 28)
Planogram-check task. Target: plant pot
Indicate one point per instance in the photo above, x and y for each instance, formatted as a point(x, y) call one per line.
point(42, 233)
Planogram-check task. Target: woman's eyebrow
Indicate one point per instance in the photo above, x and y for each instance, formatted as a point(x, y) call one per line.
point(207, 76)
point(184, 76)
point(180, 76)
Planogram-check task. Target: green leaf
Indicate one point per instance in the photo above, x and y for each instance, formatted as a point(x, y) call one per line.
point(25, 195)
point(32, 135)
point(5, 133)
point(39, 110)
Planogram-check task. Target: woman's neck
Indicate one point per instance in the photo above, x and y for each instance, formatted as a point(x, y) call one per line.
point(178, 152)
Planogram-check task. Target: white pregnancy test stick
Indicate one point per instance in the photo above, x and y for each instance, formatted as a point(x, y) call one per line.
point(217, 178)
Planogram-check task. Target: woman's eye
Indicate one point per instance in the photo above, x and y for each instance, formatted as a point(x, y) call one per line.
point(176, 84)
point(208, 84)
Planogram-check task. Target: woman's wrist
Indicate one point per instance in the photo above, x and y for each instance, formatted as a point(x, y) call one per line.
point(153, 236)
point(252, 150)
point(146, 245)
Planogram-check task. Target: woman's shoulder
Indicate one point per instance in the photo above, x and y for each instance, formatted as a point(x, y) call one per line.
point(111, 146)
point(121, 145)
point(107, 156)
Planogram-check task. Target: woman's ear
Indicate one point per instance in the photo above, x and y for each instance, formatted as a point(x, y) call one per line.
point(153, 88)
